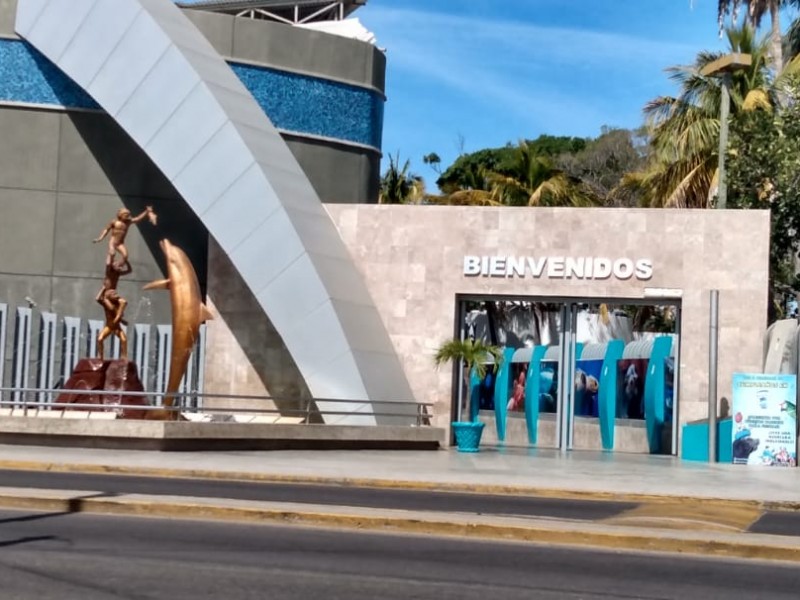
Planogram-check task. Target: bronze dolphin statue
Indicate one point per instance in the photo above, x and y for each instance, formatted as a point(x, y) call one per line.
point(188, 313)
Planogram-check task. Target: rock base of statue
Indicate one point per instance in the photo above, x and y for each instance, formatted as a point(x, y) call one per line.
point(118, 375)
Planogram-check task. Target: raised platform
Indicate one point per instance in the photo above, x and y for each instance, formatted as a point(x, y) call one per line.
point(188, 436)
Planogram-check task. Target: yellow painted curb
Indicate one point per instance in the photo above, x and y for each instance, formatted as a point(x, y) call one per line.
point(476, 488)
point(638, 541)
point(688, 515)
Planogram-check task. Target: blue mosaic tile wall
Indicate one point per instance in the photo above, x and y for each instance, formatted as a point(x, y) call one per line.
point(296, 103)
point(27, 76)
point(316, 106)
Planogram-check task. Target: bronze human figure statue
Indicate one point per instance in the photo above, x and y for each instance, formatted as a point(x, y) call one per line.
point(116, 375)
point(114, 306)
point(118, 228)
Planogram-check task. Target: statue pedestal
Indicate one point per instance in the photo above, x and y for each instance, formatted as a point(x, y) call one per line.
point(118, 375)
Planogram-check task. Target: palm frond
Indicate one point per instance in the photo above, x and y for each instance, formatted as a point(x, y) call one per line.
point(475, 354)
point(757, 99)
point(688, 189)
point(468, 198)
point(684, 129)
point(791, 70)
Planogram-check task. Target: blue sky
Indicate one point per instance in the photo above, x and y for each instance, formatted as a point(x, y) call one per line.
point(487, 72)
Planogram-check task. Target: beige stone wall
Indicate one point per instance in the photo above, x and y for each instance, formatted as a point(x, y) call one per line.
point(412, 260)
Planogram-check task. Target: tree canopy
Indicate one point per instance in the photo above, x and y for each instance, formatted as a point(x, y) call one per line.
point(754, 13)
point(466, 173)
point(681, 170)
point(764, 173)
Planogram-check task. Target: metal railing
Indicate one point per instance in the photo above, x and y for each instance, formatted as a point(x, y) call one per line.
point(42, 348)
point(307, 410)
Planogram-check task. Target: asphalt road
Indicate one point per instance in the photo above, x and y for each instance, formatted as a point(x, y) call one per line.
point(785, 523)
point(320, 494)
point(78, 556)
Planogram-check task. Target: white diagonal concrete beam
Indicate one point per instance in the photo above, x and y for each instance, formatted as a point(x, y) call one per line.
point(150, 69)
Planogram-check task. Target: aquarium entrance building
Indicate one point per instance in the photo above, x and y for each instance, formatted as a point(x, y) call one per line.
point(603, 314)
point(254, 129)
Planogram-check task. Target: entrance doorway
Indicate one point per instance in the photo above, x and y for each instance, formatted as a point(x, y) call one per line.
point(576, 373)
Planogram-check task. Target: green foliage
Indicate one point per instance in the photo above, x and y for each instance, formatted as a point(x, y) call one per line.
point(434, 161)
point(791, 41)
point(754, 13)
point(684, 130)
point(534, 179)
point(547, 171)
point(398, 185)
point(474, 354)
point(551, 145)
point(763, 173)
point(651, 317)
point(523, 175)
point(468, 172)
point(604, 161)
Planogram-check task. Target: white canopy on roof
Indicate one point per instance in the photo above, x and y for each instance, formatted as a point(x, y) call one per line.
point(351, 28)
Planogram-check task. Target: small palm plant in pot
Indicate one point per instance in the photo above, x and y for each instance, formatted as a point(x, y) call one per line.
point(475, 354)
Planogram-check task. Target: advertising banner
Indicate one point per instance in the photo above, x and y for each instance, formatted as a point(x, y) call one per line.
point(587, 387)
point(548, 386)
point(519, 378)
point(764, 428)
point(631, 373)
point(486, 389)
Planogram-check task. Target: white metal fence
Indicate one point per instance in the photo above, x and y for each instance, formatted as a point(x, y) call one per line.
point(43, 348)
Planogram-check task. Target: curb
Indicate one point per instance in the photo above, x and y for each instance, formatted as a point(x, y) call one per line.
point(433, 486)
point(611, 539)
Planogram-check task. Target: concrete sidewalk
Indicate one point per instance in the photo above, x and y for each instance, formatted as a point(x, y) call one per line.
point(493, 470)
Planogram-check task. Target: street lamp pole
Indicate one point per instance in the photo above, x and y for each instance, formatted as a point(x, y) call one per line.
point(723, 67)
point(724, 112)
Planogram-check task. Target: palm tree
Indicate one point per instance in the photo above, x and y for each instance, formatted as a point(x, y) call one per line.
point(756, 10)
point(399, 185)
point(684, 130)
point(532, 179)
point(475, 354)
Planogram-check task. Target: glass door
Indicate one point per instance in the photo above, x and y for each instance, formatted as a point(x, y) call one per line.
point(575, 373)
point(622, 375)
point(536, 378)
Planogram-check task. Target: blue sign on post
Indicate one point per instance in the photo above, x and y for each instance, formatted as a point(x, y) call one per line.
point(764, 428)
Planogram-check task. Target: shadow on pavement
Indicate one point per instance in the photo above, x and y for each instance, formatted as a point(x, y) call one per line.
point(74, 505)
point(27, 540)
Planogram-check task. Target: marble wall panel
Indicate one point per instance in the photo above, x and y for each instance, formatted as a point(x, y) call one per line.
point(412, 260)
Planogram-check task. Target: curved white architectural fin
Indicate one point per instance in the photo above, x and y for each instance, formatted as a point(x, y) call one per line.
point(149, 68)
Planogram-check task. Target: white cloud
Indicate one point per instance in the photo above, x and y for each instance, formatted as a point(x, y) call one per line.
point(500, 80)
point(490, 41)
point(503, 64)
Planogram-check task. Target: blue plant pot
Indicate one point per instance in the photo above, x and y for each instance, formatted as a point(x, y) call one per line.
point(468, 435)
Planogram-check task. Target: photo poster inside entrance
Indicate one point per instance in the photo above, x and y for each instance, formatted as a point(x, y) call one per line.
point(764, 428)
